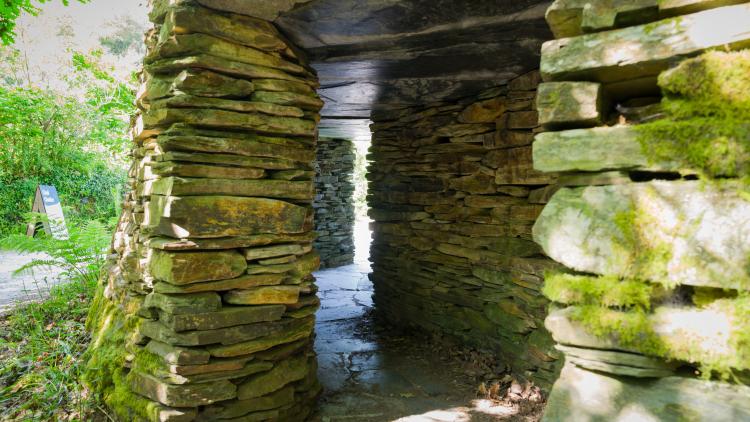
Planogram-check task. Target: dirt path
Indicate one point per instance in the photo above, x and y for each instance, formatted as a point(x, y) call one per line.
point(22, 288)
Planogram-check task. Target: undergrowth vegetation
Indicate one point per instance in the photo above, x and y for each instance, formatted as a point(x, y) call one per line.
point(41, 357)
point(42, 344)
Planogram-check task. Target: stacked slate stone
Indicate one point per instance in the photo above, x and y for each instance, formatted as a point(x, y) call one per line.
point(208, 311)
point(454, 197)
point(646, 110)
point(334, 207)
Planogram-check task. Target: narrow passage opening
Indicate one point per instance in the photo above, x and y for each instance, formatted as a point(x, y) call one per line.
point(370, 369)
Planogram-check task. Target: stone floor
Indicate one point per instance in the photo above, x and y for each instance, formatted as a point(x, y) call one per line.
point(22, 288)
point(371, 374)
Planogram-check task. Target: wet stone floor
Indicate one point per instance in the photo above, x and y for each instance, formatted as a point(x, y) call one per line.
point(371, 373)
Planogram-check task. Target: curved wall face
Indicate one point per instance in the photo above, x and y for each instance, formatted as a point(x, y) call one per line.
point(334, 206)
point(454, 196)
point(209, 306)
point(654, 300)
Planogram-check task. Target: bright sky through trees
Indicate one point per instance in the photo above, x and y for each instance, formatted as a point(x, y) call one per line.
point(46, 40)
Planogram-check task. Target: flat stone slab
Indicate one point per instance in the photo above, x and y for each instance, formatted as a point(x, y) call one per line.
point(226, 336)
point(256, 33)
point(683, 232)
point(197, 43)
point(571, 104)
point(188, 395)
point(275, 251)
point(220, 374)
point(645, 50)
point(171, 168)
point(258, 8)
point(618, 363)
point(293, 332)
point(266, 188)
point(585, 395)
point(568, 18)
point(242, 282)
point(184, 304)
point(238, 408)
point(191, 101)
point(226, 317)
point(196, 216)
point(685, 334)
point(218, 64)
point(262, 295)
point(267, 163)
point(197, 82)
point(283, 373)
point(181, 268)
point(595, 149)
point(220, 119)
point(229, 242)
point(174, 355)
point(228, 143)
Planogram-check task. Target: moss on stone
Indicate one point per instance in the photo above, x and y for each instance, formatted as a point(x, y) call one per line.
point(704, 296)
point(608, 291)
point(634, 329)
point(105, 374)
point(651, 255)
point(631, 328)
point(148, 362)
point(126, 404)
point(707, 116)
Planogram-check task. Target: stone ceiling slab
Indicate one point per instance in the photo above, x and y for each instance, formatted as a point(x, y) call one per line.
point(263, 9)
point(381, 54)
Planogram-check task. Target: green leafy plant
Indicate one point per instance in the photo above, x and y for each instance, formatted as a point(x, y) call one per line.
point(79, 257)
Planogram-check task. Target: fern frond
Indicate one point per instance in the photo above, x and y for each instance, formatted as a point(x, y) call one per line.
point(81, 255)
point(37, 263)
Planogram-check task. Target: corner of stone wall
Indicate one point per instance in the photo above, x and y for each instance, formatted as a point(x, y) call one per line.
point(454, 197)
point(334, 202)
point(645, 111)
point(207, 309)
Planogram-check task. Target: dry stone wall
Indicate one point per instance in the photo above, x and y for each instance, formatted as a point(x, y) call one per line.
point(207, 312)
point(334, 207)
point(454, 197)
point(645, 111)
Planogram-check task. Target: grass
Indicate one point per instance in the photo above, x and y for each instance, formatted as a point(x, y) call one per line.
point(41, 350)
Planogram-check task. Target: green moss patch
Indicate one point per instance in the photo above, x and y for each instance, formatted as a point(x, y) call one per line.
point(707, 116)
point(651, 255)
point(608, 291)
point(105, 374)
point(635, 329)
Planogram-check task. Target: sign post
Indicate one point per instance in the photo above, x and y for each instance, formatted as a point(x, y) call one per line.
point(48, 203)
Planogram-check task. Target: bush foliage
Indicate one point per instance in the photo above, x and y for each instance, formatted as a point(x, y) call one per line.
point(75, 141)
